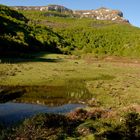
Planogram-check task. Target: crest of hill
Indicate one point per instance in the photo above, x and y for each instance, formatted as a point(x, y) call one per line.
point(99, 14)
point(6, 11)
point(102, 14)
point(51, 7)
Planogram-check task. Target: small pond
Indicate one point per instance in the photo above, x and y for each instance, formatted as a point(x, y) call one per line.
point(20, 102)
point(73, 91)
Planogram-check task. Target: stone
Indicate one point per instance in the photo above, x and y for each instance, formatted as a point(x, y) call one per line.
point(99, 14)
point(102, 14)
point(57, 8)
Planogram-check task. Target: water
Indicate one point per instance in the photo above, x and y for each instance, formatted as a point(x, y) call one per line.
point(73, 91)
point(54, 99)
point(10, 112)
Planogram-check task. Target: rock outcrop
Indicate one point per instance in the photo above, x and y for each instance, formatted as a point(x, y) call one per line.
point(102, 14)
point(99, 14)
point(57, 8)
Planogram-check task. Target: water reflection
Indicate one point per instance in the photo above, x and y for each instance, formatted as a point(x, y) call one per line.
point(77, 89)
point(73, 91)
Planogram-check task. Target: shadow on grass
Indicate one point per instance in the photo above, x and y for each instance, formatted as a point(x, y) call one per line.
point(36, 57)
point(10, 93)
point(20, 60)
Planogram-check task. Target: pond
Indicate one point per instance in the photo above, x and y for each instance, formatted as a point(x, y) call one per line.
point(10, 112)
point(73, 91)
point(20, 102)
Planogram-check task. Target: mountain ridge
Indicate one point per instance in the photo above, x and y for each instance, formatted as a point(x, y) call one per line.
point(102, 13)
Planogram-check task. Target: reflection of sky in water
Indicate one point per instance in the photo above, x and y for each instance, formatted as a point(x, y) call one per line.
point(13, 112)
point(73, 91)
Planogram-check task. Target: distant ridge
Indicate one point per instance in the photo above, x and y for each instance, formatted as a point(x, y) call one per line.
point(99, 14)
point(50, 7)
point(102, 14)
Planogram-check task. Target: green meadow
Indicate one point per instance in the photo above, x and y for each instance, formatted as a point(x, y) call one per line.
point(112, 81)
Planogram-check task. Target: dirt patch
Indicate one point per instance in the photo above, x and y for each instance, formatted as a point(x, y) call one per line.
point(122, 60)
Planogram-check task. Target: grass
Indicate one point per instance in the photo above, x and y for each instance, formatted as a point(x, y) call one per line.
point(109, 82)
point(51, 73)
point(109, 86)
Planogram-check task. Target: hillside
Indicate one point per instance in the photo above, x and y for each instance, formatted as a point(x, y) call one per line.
point(57, 31)
point(99, 14)
point(87, 35)
point(15, 32)
point(17, 37)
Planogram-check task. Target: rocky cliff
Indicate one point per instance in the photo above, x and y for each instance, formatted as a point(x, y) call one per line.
point(102, 14)
point(99, 14)
point(57, 8)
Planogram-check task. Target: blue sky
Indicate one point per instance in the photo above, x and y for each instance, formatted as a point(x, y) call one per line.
point(130, 8)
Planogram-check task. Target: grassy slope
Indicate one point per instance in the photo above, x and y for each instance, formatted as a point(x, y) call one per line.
point(66, 34)
point(15, 33)
point(113, 82)
point(92, 36)
point(109, 82)
point(18, 37)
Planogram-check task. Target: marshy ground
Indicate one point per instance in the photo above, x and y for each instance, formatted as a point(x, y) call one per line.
point(110, 86)
point(110, 81)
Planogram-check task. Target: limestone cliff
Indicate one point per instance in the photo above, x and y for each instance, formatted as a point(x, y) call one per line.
point(99, 14)
point(102, 14)
point(57, 8)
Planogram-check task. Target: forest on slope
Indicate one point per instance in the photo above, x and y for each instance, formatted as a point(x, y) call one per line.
point(31, 31)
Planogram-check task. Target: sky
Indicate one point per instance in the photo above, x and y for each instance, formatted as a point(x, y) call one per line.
point(130, 8)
